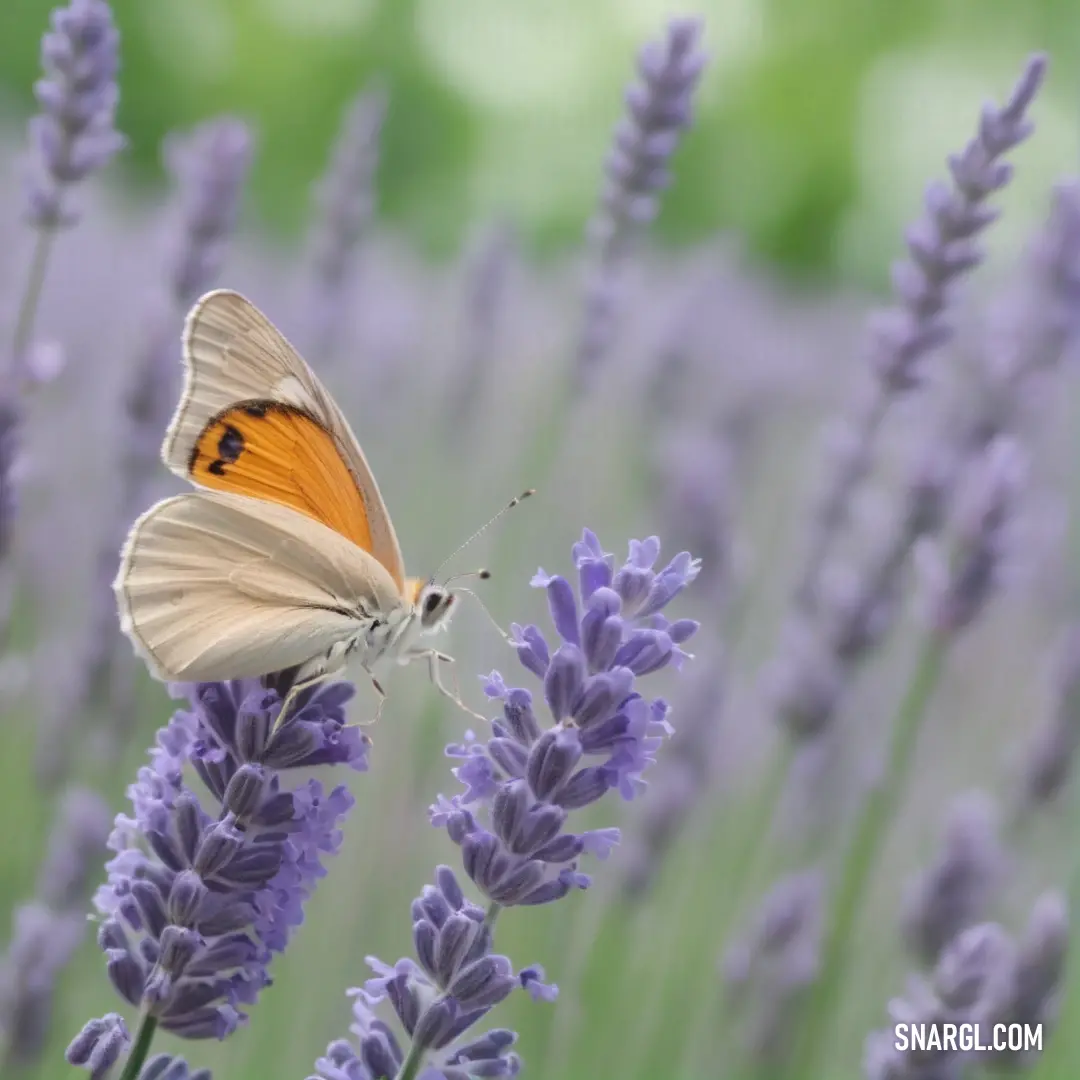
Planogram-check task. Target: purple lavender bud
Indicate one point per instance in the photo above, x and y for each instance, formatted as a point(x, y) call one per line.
point(167, 1067)
point(601, 695)
point(659, 109)
point(551, 761)
point(483, 983)
point(562, 604)
point(595, 567)
point(187, 896)
point(99, 1045)
point(507, 755)
point(961, 584)
point(196, 906)
point(524, 829)
point(976, 970)
point(74, 134)
point(1052, 754)
point(586, 786)
point(564, 680)
point(602, 628)
point(645, 651)
point(955, 891)
point(519, 718)
point(487, 1056)
point(782, 945)
point(531, 648)
point(1043, 950)
point(244, 794)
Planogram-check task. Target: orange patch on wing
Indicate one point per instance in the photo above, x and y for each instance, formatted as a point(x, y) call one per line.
point(413, 588)
point(279, 453)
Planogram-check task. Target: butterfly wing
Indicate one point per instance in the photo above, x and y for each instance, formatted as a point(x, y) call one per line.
point(220, 586)
point(254, 419)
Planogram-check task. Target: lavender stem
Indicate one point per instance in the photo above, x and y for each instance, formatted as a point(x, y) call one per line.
point(865, 849)
point(144, 1037)
point(35, 283)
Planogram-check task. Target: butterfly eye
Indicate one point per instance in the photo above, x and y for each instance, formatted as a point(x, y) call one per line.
point(434, 606)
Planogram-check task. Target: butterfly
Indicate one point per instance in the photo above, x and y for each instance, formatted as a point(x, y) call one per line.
point(286, 557)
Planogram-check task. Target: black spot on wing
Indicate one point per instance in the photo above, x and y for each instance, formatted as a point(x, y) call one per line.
point(231, 445)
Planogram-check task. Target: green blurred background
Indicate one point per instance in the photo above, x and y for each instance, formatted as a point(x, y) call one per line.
point(819, 120)
point(819, 124)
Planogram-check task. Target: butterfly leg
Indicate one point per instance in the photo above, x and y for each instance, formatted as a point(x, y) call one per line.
point(377, 686)
point(434, 657)
point(295, 690)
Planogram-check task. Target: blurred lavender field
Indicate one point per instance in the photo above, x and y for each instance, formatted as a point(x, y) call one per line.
point(866, 810)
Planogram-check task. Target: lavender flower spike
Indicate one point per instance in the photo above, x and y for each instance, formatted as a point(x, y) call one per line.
point(942, 248)
point(659, 109)
point(74, 134)
point(198, 900)
point(209, 166)
point(455, 983)
point(49, 929)
point(345, 205)
point(525, 780)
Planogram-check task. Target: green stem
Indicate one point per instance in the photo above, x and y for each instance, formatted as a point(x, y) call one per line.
point(864, 852)
point(750, 859)
point(409, 1067)
point(143, 1038)
point(1059, 1057)
point(35, 282)
point(492, 914)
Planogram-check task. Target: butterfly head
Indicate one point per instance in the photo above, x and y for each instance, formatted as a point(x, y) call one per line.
point(431, 602)
point(434, 605)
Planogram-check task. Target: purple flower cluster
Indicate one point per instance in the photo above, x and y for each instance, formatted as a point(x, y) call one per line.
point(197, 902)
point(457, 981)
point(525, 780)
point(74, 134)
point(637, 169)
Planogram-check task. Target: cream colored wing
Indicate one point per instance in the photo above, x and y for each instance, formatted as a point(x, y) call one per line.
point(220, 586)
point(233, 354)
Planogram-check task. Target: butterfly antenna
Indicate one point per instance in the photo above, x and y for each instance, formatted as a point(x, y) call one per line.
point(483, 528)
point(483, 575)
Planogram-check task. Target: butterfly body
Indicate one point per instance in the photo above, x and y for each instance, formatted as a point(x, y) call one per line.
point(286, 556)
